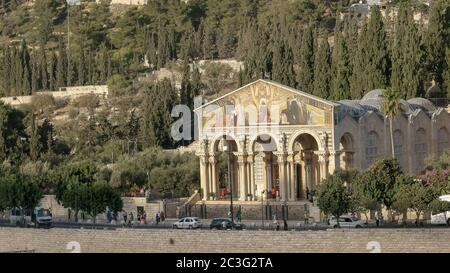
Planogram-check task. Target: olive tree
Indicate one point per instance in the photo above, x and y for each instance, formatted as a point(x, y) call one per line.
point(333, 196)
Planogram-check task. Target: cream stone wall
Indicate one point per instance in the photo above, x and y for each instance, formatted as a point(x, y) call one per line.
point(56, 240)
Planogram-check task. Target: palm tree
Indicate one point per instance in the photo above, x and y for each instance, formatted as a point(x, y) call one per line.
point(390, 107)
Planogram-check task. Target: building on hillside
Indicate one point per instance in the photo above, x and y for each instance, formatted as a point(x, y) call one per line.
point(281, 138)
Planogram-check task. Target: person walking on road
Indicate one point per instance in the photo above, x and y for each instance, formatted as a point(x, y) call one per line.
point(239, 215)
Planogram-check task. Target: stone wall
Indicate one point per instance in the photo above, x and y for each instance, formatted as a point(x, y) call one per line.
point(130, 204)
point(168, 240)
point(64, 92)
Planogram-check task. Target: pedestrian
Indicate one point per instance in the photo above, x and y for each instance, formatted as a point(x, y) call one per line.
point(238, 215)
point(109, 216)
point(285, 225)
point(131, 218)
point(306, 217)
point(124, 214)
point(278, 226)
point(307, 193)
point(70, 213)
point(163, 216)
point(157, 218)
point(274, 192)
point(144, 216)
point(377, 218)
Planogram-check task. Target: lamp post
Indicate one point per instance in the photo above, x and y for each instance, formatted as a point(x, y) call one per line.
point(226, 149)
point(262, 208)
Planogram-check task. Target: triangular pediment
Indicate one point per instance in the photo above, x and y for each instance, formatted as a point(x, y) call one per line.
point(265, 101)
point(268, 85)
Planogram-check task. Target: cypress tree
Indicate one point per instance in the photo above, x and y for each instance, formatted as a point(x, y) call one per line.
point(34, 75)
point(7, 70)
point(26, 76)
point(19, 73)
point(305, 75)
point(3, 119)
point(341, 67)
point(378, 56)
point(52, 82)
point(186, 88)
point(322, 70)
point(358, 78)
point(61, 66)
point(103, 63)
point(14, 72)
point(81, 68)
point(447, 71)
point(406, 56)
point(437, 38)
point(196, 81)
point(71, 73)
point(43, 69)
point(34, 139)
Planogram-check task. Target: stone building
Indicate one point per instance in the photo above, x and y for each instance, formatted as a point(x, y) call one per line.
point(277, 137)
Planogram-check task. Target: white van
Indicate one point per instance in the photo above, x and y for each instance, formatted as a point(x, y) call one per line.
point(25, 218)
point(444, 217)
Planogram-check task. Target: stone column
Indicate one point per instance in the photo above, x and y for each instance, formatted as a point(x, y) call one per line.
point(250, 175)
point(213, 181)
point(204, 181)
point(292, 177)
point(323, 172)
point(334, 161)
point(243, 190)
point(281, 158)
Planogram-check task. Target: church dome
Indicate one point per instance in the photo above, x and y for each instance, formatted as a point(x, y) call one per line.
point(423, 104)
point(373, 95)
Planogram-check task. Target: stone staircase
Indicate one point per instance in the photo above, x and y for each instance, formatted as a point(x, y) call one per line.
point(183, 208)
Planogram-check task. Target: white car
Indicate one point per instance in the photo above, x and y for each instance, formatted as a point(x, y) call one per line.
point(347, 222)
point(188, 222)
point(441, 218)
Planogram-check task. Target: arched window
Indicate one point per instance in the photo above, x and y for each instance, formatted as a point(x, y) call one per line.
point(398, 147)
point(420, 147)
point(443, 140)
point(371, 147)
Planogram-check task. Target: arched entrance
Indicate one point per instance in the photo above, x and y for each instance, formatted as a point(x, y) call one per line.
point(346, 151)
point(265, 167)
point(306, 169)
point(224, 166)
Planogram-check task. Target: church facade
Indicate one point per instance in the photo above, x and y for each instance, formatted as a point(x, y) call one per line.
point(277, 137)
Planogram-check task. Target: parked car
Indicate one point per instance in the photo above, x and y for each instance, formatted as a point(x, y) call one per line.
point(218, 223)
point(188, 222)
point(444, 217)
point(346, 221)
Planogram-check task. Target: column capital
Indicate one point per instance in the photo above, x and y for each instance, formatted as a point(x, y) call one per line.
point(212, 159)
point(241, 157)
point(203, 158)
point(281, 157)
point(323, 155)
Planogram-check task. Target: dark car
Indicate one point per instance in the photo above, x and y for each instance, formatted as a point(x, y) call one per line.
point(218, 223)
